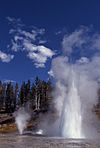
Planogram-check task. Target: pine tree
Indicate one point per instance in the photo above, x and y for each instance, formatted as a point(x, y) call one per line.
point(1, 95)
point(4, 85)
point(22, 94)
point(27, 91)
point(16, 95)
point(32, 96)
point(9, 103)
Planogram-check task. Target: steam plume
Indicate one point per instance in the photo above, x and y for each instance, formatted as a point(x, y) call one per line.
point(77, 84)
point(22, 117)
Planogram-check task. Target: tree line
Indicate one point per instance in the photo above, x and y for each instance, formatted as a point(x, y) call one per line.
point(37, 94)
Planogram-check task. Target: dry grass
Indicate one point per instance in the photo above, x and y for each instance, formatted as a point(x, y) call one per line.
point(7, 128)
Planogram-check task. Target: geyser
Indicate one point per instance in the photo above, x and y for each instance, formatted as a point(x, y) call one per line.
point(75, 95)
point(71, 117)
point(21, 118)
point(76, 75)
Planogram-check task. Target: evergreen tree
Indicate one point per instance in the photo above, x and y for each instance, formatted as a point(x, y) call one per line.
point(1, 95)
point(22, 94)
point(16, 95)
point(27, 91)
point(4, 85)
point(32, 96)
point(9, 103)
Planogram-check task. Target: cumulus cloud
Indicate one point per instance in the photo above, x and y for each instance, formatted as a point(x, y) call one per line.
point(37, 58)
point(39, 55)
point(31, 42)
point(5, 57)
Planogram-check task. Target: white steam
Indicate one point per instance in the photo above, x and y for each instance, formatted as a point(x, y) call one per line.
point(21, 118)
point(76, 94)
point(78, 100)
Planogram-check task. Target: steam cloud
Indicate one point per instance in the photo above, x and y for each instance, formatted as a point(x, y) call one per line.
point(22, 117)
point(86, 69)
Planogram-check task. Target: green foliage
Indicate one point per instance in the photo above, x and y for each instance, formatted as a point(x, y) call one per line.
point(38, 94)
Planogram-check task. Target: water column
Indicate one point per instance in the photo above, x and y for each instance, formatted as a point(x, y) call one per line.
point(71, 120)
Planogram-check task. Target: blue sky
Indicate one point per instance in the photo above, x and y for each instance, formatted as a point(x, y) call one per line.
point(32, 33)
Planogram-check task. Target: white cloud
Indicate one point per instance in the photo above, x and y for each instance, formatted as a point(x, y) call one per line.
point(45, 51)
point(15, 22)
point(28, 35)
point(27, 45)
point(39, 55)
point(50, 73)
point(42, 41)
point(40, 31)
point(26, 41)
point(15, 47)
point(11, 19)
point(5, 57)
point(39, 65)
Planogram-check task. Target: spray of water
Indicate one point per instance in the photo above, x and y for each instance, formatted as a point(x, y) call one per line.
point(75, 95)
point(21, 118)
point(71, 117)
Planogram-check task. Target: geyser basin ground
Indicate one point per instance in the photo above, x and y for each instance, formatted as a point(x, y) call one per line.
point(25, 141)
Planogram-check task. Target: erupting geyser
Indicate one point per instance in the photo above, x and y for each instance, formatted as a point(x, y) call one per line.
point(75, 95)
point(71, 120)
point(21, 118)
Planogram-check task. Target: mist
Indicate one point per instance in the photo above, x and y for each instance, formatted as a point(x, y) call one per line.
point(76, 118)
point(87, 87)
point(22, 118)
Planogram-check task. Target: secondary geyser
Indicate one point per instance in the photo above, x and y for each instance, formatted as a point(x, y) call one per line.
point(21, 118)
